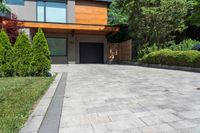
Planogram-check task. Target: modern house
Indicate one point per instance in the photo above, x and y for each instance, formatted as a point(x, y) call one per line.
point(76, 30)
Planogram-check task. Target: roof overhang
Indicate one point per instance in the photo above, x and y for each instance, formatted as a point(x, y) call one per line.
point(104, 29)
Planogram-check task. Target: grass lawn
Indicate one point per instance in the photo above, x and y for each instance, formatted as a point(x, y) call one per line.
point(17, 98)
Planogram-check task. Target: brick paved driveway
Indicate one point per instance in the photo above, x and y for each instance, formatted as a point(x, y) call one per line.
point(130, 99)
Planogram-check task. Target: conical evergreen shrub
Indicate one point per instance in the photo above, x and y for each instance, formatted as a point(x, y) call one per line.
point(23, 55)
point(2, 53)
point(41, 63)
point(7, 65)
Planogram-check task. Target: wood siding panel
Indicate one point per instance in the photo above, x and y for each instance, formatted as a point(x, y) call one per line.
point(90, 12)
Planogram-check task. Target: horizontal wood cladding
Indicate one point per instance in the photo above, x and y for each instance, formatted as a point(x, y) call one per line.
point(91, 12)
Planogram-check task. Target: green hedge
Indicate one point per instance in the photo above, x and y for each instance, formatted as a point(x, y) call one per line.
point(189, 58)
point(24, 58)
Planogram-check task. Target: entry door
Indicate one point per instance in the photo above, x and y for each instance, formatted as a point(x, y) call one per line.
point(91, 52)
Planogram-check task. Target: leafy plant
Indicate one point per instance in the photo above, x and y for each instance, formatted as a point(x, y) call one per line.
point(3, 8)
point(153, 21)
point(23, 55)
point(41, 55)
point(116, 14)
point(187, 44)
point(189, 58)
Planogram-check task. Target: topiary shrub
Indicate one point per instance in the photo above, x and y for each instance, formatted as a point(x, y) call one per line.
point(41, 63)
point(23, 55)
point(189, 58)
point(7, 63)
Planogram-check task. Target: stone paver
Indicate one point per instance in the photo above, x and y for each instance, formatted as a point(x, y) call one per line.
point(129, 99)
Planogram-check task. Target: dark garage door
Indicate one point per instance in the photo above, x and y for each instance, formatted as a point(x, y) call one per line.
point(91, 52)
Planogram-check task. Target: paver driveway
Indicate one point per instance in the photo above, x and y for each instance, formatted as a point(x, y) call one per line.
point(130, 99)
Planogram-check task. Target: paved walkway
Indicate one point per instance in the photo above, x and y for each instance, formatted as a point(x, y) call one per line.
point(129, 99)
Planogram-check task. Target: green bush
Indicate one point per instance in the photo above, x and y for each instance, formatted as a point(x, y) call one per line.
point(189, 58)
point(2, 53)
point(187, 44)
point(7, 63)
point(41, 55)
point(23, 55)
point(146, 50)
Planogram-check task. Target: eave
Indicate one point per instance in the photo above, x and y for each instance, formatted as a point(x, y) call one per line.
point(104, 29)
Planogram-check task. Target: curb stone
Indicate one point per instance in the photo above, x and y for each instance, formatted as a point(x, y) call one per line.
point(189, 69)
point(35, 119)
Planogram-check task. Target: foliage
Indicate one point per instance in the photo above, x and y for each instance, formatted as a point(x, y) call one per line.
point(2, 53)
point(11, 27)
point(41, 55)
point(177, 58)
point(3, 7)
point(23, 55)
point(116, 14)
point(153, 21)
point(194, 18)
point(146, 49)
point(7, 63)
point(18, 95)
point(187, 44)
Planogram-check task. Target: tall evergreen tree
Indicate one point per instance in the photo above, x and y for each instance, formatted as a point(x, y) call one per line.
point(41, 63)
point(23, 56)
point(2, 53)
point(7, 65)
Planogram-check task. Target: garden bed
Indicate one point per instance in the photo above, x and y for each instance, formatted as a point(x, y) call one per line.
point(17, 98)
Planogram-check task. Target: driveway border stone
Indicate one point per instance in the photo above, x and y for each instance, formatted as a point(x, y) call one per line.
point(51, 121)
point(35, 119)
point(188, 69)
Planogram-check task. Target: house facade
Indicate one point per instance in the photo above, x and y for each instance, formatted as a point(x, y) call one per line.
point(76, 30)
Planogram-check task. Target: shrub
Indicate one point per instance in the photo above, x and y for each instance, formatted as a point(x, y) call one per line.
point(2, 53)
point(187, 44)
point(146, 50)
point(7, 65)
point(41, 55)
point(23, 56)
point(189, 58)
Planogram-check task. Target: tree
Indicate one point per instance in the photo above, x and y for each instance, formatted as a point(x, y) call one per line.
point(9, 22)
point(23, 56)
point(117, 14)
point(3, 7)
point(153, 21)
point(41, 55)
point(11, 26)
point(2, 53)
point(7, 65)
point(194, 17)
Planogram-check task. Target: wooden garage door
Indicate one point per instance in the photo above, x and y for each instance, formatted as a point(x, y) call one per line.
point(91, 52)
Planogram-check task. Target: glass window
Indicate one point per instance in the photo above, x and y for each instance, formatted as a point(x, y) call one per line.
point(51, 11)
point(40, 11)
point(17, 2)
point(57, 46)
point(55, 12)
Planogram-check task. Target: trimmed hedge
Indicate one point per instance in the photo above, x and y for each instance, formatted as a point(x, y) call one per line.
point(189, 58)
point(24, 59)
